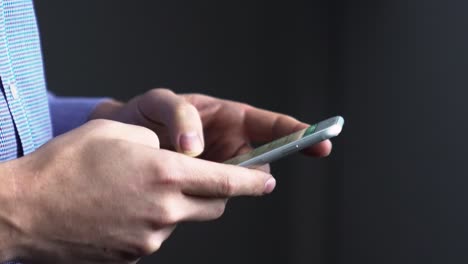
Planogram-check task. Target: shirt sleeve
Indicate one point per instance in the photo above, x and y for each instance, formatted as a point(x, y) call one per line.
point(68, 113)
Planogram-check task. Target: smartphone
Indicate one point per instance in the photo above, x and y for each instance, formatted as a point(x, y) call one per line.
point(289, 144)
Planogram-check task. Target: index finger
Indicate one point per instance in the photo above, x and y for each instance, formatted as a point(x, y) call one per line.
point(210, 179)
point(262, 125)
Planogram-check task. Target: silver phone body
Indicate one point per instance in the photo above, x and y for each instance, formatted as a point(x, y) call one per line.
point(289, 144)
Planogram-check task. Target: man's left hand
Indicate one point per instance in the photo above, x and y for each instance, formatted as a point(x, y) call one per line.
point(200, 125)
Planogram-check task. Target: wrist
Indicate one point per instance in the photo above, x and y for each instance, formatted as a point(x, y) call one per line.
point(106, 109)
point(11, 234)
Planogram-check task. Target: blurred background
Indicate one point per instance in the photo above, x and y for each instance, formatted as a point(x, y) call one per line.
point(395, 188)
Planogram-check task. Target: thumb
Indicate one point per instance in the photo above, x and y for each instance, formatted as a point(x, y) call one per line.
point(182, 120)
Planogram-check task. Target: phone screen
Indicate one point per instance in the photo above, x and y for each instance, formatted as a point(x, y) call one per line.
point(273, 145)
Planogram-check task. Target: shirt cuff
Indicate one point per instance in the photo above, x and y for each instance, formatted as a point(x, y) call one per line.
point(68, 113)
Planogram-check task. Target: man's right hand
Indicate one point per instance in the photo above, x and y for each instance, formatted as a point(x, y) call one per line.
point(106, 193)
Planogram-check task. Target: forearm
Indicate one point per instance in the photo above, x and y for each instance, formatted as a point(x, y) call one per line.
point(11, 244)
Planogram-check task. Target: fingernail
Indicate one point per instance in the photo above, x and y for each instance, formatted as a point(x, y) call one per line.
point(191, 144)
point(270, 185)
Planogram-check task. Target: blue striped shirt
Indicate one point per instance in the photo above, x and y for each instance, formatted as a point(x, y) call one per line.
point(29, 115)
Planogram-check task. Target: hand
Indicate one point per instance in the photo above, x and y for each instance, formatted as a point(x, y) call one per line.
point(193, 123)
point(106, 193)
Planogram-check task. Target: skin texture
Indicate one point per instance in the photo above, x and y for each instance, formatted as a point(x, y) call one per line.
point(106, 193)
point(113, 190)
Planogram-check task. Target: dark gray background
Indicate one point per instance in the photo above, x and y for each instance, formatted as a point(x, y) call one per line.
point(393, 191)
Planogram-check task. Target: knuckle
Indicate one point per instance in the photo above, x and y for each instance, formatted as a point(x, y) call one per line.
point(245, 106)
point(227, 187)
point(148, 135)
point(152, 244)
point(147, 246)
point(168, 215)
point(155, 245)
point(99, 124)
point(167, 178)
point(242, 107)
point(166, 172)
point(104, 127)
